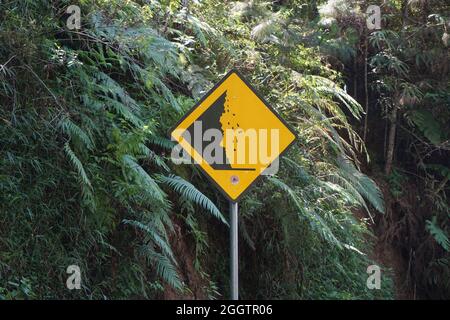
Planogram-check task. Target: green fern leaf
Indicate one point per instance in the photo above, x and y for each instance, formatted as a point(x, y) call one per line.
point(315, 220)
point(75, 132)
point(438, 234)
point(426, 123)
point(77, 165)
point(190, 192)
point(164, 267)
point(145, 181)
point(152, 232)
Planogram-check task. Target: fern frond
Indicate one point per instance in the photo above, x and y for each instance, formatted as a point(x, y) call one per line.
point(123, 111)
point(362, 183)
point(426, 123)
point(202, 30)
point(167, 94)
point(153, 157)
point(324, 85)
point(315, 220)
point(164, 267)
point(75, 132)
point(161, 142)
point(146, 182)
point(438, 234)
point(77, 165)
point(266, 29)
point(153, 234)
point(193, 194)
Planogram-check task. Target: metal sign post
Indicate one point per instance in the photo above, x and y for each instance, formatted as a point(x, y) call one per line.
point(234, 265)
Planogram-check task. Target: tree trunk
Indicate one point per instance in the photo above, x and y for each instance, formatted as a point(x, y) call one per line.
point(404, 9)
point(366, 89)
point(391, 140)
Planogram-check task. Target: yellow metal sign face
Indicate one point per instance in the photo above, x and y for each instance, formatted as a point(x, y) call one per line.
point(233, 135)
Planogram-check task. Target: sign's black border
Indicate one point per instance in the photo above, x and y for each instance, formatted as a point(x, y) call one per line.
point(235, 71)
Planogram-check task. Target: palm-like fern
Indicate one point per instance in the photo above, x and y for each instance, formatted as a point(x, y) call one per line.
point(164, 261)
point(438, 234)
point(78, 166)
point(315, 220)
point(193, 194)
point(76, 133)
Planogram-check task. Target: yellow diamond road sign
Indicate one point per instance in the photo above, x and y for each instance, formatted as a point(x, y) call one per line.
point(233, 135)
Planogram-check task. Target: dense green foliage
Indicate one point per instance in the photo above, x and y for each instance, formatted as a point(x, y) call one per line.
point(85, 172)
point(411, 75)
point(407, 99)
